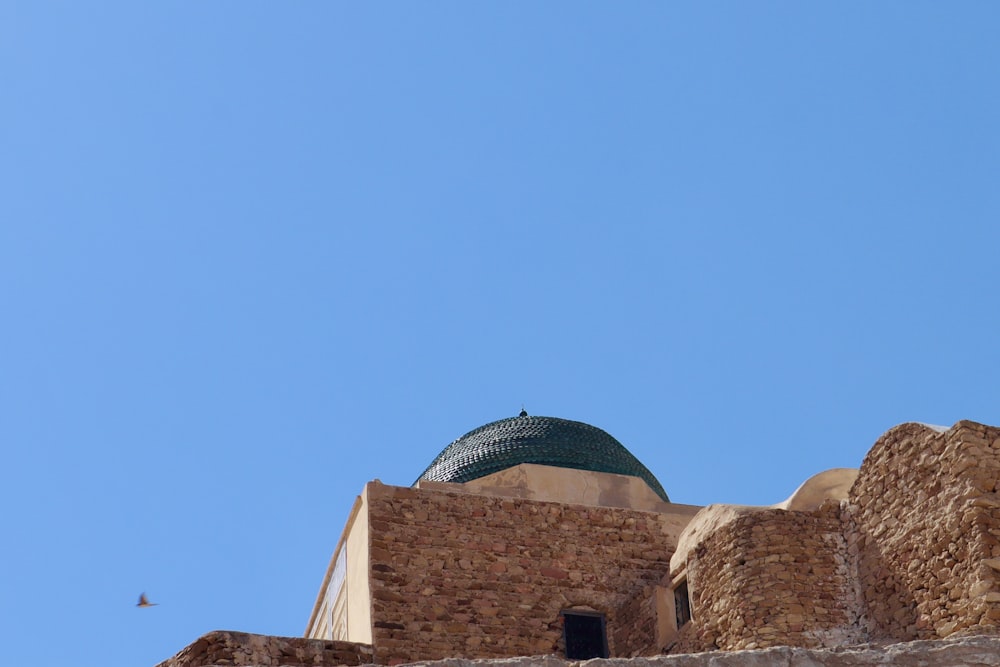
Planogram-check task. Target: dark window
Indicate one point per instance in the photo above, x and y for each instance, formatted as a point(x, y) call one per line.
point(585, 636)
point(682, 604)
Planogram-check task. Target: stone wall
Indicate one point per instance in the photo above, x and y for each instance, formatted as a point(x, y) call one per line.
point(635, 629)
point(242, 648)
point(462, 575)
point(914, 553)
point(959, 652)
point(925, 523)
point(967, 651)
point(769, 578)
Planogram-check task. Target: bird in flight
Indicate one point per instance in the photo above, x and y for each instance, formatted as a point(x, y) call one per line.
point(144, 601)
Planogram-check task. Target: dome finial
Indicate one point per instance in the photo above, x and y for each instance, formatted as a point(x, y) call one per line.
point(523, 413)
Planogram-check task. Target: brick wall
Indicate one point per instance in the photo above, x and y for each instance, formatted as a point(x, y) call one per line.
point(771, 578)
point(925, 525)
point(461, 575)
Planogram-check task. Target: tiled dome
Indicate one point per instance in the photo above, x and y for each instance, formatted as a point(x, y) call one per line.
point(543, 440)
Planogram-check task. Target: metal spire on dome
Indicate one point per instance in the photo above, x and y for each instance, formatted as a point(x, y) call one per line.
point(523, 413)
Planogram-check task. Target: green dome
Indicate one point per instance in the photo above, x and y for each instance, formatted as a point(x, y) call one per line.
point(546, 441)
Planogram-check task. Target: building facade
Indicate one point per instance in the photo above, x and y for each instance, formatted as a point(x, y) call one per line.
point(536, 535)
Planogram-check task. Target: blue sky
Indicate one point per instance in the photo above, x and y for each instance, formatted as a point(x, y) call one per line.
point(254, 255)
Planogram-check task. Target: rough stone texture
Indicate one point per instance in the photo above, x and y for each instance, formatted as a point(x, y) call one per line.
point(925, 523)
point(955, 652)
point(478, 576)
point(241, 648)
point(914, 553)
point(634, 631)
point(964, 652)
point(771, 578)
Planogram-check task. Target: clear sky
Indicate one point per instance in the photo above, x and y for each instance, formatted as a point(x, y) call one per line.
point(254, 255)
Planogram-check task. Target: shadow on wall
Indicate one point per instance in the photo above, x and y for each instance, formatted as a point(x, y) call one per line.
point(906, 548)
point(926, 516)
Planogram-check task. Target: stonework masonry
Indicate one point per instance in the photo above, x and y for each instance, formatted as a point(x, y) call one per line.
point(925, 526)
point(242, 648)
point(909, 555)
point(456, 574)
point(913, 553)
point(961, 652)
point(956, 652)
point(772, 578)
point(637, 630)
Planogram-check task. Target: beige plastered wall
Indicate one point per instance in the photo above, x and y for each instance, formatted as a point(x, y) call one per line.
point(552, 484)
point(343, 611)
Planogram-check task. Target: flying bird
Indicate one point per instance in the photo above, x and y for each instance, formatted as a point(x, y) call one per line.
point(144, 601)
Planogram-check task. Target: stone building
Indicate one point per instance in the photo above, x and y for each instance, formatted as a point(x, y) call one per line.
point(537, 535)
point(517, 529)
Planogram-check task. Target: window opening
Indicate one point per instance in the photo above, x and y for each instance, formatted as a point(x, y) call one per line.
point(682, 604)
point(586, 636)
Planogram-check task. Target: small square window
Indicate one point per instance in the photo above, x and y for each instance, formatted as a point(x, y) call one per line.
point(586, 636)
